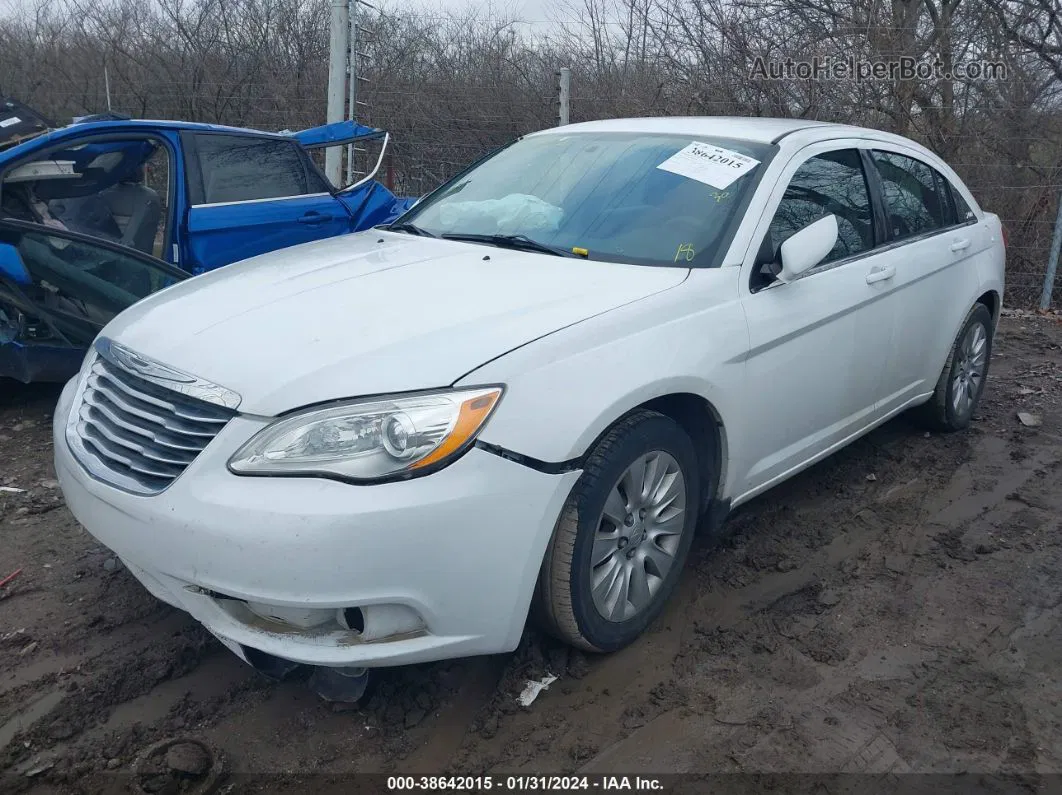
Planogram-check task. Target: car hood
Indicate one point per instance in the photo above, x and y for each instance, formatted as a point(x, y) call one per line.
point(370, 313)
point(19, 123)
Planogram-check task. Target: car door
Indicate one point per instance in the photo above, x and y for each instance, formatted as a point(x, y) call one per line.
point(252, 194)
point(817, 343)
point(58, 289)
point(930, 246)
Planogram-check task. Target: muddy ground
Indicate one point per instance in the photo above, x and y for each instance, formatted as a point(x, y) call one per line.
point(896, 608)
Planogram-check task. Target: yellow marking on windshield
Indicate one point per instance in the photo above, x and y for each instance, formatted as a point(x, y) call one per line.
point(582, 252)
point(720, 195)
point(685, 252)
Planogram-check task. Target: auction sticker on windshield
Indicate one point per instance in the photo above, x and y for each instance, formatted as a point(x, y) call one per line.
point(709, 164)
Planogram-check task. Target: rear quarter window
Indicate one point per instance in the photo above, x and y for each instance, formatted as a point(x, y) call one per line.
point(964, 215)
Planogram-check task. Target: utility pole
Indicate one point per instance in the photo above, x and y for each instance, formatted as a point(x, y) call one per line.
point(337, 74)
point(1052, 259)
point(107, 85)
point(564, 84)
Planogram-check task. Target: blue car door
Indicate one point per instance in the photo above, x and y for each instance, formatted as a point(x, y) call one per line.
point(250, 194)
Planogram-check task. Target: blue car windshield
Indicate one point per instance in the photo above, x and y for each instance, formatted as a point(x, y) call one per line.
point(646, 199)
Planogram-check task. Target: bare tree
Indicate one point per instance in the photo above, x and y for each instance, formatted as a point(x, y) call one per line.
point(1036, 26)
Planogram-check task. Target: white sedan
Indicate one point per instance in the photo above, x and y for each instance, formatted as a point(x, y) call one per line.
point(524, 396)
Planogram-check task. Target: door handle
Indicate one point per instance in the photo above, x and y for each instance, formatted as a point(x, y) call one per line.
point(960, 244)
point(881, 274)
point(314, 218)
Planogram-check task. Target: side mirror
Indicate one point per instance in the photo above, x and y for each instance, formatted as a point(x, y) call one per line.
point(12, 266)
point(808, 247)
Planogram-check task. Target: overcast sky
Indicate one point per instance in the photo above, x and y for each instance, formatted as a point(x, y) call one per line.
point(535, 12)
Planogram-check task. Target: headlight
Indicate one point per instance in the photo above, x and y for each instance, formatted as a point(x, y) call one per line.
point(368, 440)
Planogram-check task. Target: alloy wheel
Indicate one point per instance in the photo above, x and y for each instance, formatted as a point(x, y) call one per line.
point(969, 370)
point(637, 536)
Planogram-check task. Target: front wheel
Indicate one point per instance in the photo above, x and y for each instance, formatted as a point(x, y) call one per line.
point(962, 381)
point(623, 535)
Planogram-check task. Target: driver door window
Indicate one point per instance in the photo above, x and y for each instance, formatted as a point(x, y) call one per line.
point(253, 193)
point(832, 182)
point(117, 190)
point(77, 285)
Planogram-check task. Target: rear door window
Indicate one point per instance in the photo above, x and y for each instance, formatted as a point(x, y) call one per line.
point(956, 211)
point(914, 203)
point(235, 168)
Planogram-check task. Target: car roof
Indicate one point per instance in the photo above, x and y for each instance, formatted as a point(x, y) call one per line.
point(163, 124)
point(757, 129)
point(104, 126)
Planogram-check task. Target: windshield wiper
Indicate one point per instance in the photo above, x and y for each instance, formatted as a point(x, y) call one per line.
point(412, 229)
point(517, 242)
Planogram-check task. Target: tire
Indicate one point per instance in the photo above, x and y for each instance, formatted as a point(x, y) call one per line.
point(565, 604)
point(965, 371)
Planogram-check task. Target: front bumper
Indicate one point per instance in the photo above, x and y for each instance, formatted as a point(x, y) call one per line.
point(460, 549)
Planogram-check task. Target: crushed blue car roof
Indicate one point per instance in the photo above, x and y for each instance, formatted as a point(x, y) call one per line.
point(325, 135)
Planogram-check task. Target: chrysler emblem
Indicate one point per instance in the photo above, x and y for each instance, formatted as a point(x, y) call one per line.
point(141, 365)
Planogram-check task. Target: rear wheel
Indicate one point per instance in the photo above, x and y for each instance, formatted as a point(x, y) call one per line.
point(623, 535)
point(962, 381)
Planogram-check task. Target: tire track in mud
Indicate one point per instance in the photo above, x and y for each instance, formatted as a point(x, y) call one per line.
point(506, 734)
point(449, 731)
point(92, 652)
point(108, 695)
point(862, 747)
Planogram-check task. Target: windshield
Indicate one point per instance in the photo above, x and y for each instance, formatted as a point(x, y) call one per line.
point(623, 197)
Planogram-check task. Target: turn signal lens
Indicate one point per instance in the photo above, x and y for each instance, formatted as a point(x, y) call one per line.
point(369, 440)
point(470, 418)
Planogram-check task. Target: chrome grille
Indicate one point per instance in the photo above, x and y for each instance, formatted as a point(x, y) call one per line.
point(137, 434)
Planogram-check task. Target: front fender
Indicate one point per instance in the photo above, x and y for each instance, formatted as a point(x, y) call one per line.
point(564, 390)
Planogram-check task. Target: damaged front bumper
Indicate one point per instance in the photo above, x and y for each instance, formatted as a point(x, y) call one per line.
point(330, 574)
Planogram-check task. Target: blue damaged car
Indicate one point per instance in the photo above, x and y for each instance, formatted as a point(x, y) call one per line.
point(193, 196)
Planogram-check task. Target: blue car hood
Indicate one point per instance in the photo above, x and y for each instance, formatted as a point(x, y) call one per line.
point(340, 132)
